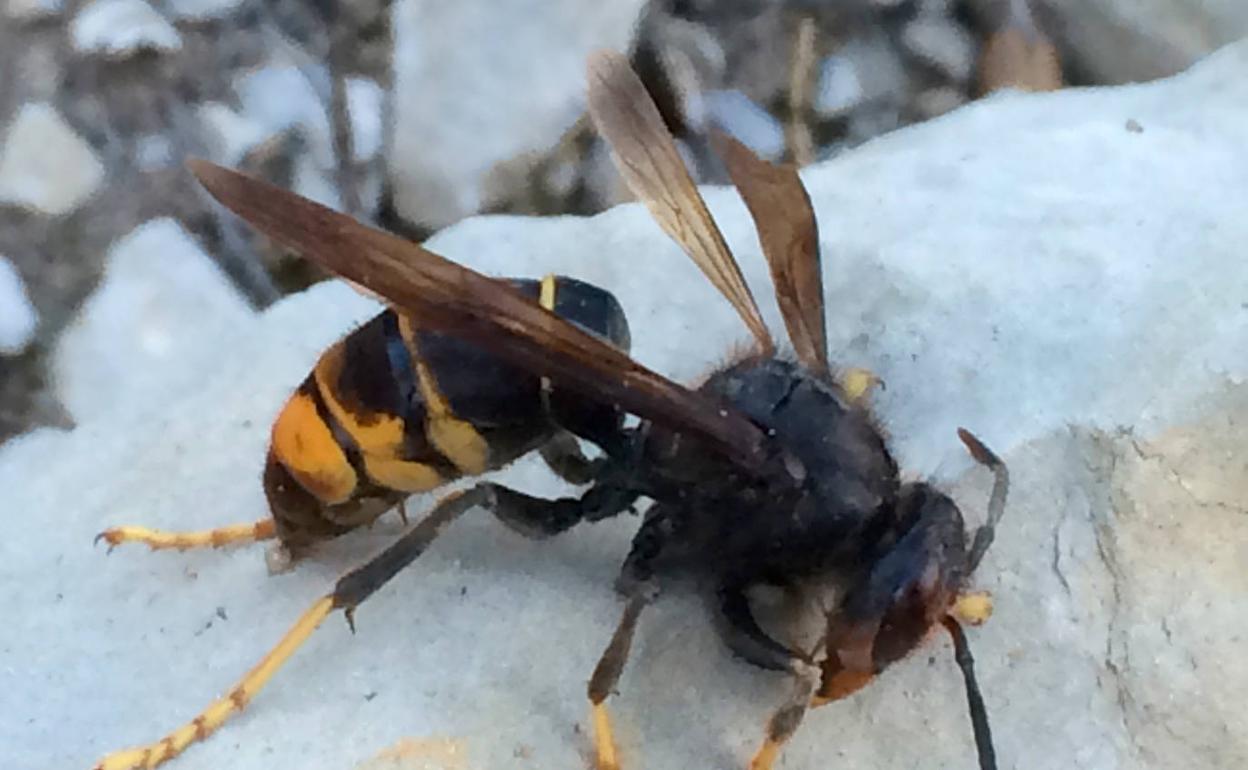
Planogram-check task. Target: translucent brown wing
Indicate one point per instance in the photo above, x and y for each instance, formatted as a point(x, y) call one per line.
point(787, 231)
point(441, 295)
point(646, 156)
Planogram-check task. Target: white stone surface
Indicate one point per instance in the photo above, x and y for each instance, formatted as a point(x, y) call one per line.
point(943, 44)
point(229, 134)
point(45, 165)
point(839, 88)
point(743, 118)
point(154, 152)
point(478, 84)
point(1028, 267)
point(122, 28)
point(281, 96)
point(18, 318)
point(866, 71)
point(365, 104)
point(162, 306)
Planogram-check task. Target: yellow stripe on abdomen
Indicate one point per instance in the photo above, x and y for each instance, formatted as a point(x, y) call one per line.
point(402, 475)
point(457, 440)
point(374, 433)
point(304, 444)
point(546, 295)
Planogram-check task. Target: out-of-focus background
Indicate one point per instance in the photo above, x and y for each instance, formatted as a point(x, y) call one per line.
point(418, 113)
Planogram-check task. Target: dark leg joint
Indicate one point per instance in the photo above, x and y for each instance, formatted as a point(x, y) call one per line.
point(360, 583)
point(536, 517)
point(611, 664)
point(564, 456)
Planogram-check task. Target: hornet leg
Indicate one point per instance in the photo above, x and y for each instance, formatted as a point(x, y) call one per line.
point(158, 539)
point(526, 514)
point(746, 639)
point(637, 585)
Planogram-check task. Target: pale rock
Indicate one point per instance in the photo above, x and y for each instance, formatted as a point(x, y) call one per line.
point(1121, 41)
point(873, 119)
point(202, 10)
point(311, 181)
point(742, 117)
point(866, 69)
point(282, 96)
point(154, 152)
point(937, 101)
point(162, 305)
point(18, 318)
point(122, 28)
point(941, 43)
point(230, 135)
point(279, 97)
point(30, 10)
point(1027, 267)
point(365, 105)
point(476, 85)
point(839, 90)
point(45, 165)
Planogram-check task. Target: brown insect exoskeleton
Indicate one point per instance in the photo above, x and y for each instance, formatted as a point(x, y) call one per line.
point(771, 469)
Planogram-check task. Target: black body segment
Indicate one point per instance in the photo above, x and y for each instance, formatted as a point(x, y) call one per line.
point(832, 493)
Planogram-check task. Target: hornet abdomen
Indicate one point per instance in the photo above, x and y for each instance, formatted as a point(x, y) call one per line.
point(391, 410)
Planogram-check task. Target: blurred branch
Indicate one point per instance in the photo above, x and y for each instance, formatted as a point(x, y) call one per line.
point(798, 138)
point(1019, 55)
point(334, 52)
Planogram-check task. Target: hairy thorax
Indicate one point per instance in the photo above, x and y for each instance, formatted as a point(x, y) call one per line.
point(840, 487)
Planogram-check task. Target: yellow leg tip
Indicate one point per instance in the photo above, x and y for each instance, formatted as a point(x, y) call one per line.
point(220, 710)
point(209, 538)
point(766, 756)
point(135, 759)
point(973, 608)
point(605, 757)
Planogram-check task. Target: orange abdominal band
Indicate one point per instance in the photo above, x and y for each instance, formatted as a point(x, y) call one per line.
point(304, 444)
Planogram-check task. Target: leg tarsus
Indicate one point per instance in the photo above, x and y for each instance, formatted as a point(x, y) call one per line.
point(158, 540)
point(788, 716)
point(636, 583)
point(607, 674)
point(611, 664)
point(225, 707)
point(349, 592)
